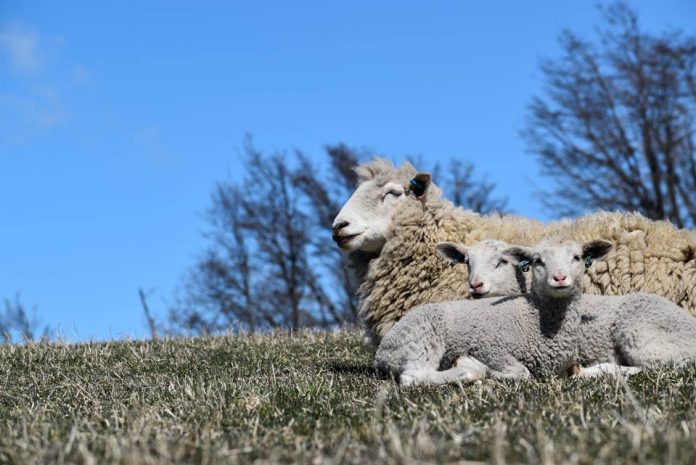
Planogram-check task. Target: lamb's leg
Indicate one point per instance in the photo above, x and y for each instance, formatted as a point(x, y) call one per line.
point(606, 369)
point(466, 369)
point(511, 369)
point(645, 348)
point(652, 331)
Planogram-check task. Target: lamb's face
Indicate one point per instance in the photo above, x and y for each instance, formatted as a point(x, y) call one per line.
point(365, 221)
point(491, 273)
point(556, 269)
point(558, 265)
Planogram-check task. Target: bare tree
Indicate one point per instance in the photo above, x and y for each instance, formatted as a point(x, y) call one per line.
point(464, 187)
point(260, 269)
point(218, 289)
point(615, 125)
point(280, 230)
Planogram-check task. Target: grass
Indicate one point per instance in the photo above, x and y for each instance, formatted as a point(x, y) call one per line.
point(314, 398)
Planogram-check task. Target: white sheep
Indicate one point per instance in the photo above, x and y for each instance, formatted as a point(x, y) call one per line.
point(395, 217)
point(490, 272)
point(548, 331)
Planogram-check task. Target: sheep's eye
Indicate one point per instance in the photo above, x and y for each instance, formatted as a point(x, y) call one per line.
point(501, 263)
point(523, 265)
point(538, 262)
point(576, 258)
point(393, 193)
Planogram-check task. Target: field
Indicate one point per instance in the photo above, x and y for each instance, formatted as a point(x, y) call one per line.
point(314, 398)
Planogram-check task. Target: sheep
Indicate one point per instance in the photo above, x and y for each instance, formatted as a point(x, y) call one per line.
point(637, 330)
point(395, 217)
point(489, 271)
point(546, 332)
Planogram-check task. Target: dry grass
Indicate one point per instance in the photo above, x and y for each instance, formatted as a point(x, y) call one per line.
point(313, 398)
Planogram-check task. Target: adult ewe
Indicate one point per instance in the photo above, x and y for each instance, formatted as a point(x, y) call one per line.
point(395, 217)
point(548, 331)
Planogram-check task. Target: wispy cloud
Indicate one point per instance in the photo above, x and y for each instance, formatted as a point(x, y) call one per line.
point(44, 109)
point(41, 82)
point(20, 47)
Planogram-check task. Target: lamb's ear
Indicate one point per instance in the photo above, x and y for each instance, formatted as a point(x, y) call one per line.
point(455, 253)
point(419, 185)
point(520, 256)
point(595, 249)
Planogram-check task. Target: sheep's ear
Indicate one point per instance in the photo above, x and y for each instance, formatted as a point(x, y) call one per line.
point(520, 256)
point(455, 253)
point(595, 249)
point(419, 185)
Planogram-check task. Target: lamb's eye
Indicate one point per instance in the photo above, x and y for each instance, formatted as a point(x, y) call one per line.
point(393, 193)
point(576, 258)
point(501, 263)
point(538, 262)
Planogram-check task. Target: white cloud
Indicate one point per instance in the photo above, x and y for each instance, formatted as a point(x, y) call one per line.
point(41, 83)
point(25, 117)
point(20, 46)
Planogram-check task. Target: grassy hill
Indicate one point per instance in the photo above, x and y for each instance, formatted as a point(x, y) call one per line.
point(313, 398)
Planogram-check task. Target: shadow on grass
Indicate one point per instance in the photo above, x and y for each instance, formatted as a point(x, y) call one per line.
point(354, 369)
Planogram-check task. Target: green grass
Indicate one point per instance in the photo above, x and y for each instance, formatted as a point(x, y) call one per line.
point(314, 398)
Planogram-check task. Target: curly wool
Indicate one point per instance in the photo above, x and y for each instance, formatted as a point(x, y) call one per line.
point(648, 256)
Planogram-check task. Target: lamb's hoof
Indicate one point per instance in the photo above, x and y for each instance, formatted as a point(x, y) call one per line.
point(407, 379)
point(604, 369)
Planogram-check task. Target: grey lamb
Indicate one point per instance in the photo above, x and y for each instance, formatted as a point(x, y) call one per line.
point(489, 271)
point(548, 331)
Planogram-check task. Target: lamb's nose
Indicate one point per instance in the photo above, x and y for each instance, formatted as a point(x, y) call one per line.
point(559, 278)
point(476, 284)
point(338, 226)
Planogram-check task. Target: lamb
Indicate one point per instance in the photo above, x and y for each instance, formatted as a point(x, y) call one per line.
point(395, 217)
point(546, 332)
point(490, 273)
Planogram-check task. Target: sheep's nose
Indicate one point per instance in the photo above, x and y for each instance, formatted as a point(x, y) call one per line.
point(559, 278)
point(340, 225)
point(476, 284)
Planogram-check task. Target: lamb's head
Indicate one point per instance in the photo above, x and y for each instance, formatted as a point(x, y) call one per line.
point(491, 272)
point(558, 264)
point(365, 221)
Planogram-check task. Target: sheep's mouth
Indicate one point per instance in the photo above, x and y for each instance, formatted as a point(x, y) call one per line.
point(344, 239)
point(559, 287)
point(561, 290)
point(479, 295)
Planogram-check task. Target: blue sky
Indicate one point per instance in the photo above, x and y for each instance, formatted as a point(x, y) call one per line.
point(116, 121)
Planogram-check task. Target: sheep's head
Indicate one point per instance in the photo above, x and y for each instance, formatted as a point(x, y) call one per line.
point(365, 221)
point(558, 264)
point(491, 273)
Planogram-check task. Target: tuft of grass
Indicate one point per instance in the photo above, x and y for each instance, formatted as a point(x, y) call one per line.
point(314, 398)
